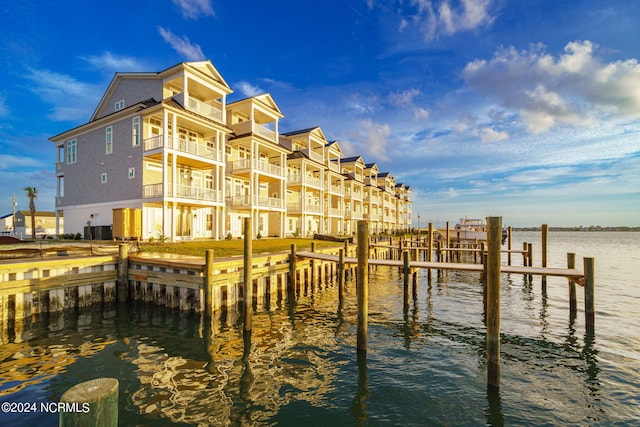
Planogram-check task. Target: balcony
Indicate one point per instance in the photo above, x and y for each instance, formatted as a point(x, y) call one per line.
point(333, 166)
point(246, 165)
point(298, 208)
point(312, 155)
point(336, 189)
point(247, 201)
point(182, 145)
point(244, 128)
point(204, 108)
point(153, 191)
point(357, 214)
point(335, 212)
point(300, 179)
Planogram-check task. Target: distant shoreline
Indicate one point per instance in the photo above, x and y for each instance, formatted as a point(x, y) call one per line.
point(590, 228)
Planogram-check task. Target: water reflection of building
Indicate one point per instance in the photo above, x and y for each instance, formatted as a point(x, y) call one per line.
point(23, 365)
point(284, 364)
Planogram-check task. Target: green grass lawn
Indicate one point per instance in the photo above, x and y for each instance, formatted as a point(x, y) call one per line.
point(226, 248)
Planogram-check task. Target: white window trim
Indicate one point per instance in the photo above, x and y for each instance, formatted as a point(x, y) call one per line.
point(132, 173)
point(108, 139)
point(135, 132)
point(119, 105)
point(103, 178)
point(72, 151)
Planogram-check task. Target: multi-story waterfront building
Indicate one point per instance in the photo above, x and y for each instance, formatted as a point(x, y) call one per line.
point(165, 156)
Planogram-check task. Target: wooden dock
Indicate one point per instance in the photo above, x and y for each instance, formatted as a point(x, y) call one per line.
point(569, 273)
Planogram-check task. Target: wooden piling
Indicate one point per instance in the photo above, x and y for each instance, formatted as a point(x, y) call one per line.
point(362, 283)
point(96, 404)
point(573, 300)
point(405, 276)
point(430, 244)
point(509, 231)
point(494, 231)
point(448, 242)
point(208, 283)
point(545, 248)
point(589, 292)
point(341, 274)
point(247, 279)
point(525, 245)
point(122, 287)
point(405, 268)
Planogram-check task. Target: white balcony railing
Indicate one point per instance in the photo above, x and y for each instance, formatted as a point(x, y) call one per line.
point(205, 109)
point(297, 208)
point(337, 189)
point(353, 214)
point(152, 191)
point(195, 193)
point(265, 132)
point(248, 201)
point(239, 166)
point(244, 128)
point(304, 180)
point(190, 147)
point(313, 155)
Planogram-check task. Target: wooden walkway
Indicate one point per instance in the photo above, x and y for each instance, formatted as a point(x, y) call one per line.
point(571, 274)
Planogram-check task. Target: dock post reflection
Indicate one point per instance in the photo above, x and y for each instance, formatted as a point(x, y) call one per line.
point(359, 407)
point(493, 412)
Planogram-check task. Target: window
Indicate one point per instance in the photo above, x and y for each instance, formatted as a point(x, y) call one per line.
point(108, 139)
point(71, 151)
point(61, 186)
point(119, 105)
point(227, 150)
point(209, 222)
point(61, 153)
point(132, 173)
point(103, 178)
point(135, 131)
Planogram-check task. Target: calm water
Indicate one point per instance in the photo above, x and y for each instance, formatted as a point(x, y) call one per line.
point(425, 365)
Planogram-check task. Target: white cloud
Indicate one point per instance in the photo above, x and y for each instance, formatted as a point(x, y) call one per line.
point(72, 100)
point(488, 134)
point(450, 17)
point(194, 9)
point(575, 88)
point(373, 139)
point(404, 98)
point(8, 161)
point(107, 61)
point(421, 114)
point(182, 45)
point(248, 89)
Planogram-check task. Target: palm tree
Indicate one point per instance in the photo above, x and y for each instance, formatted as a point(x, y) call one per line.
point(32, 194)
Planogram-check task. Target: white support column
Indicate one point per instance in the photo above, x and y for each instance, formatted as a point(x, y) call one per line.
point(185, 88)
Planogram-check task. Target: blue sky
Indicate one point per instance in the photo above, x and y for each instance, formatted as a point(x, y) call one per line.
point(527, 110)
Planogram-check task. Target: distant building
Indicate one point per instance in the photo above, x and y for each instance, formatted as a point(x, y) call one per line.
point(45, 224)
point(6, 225)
